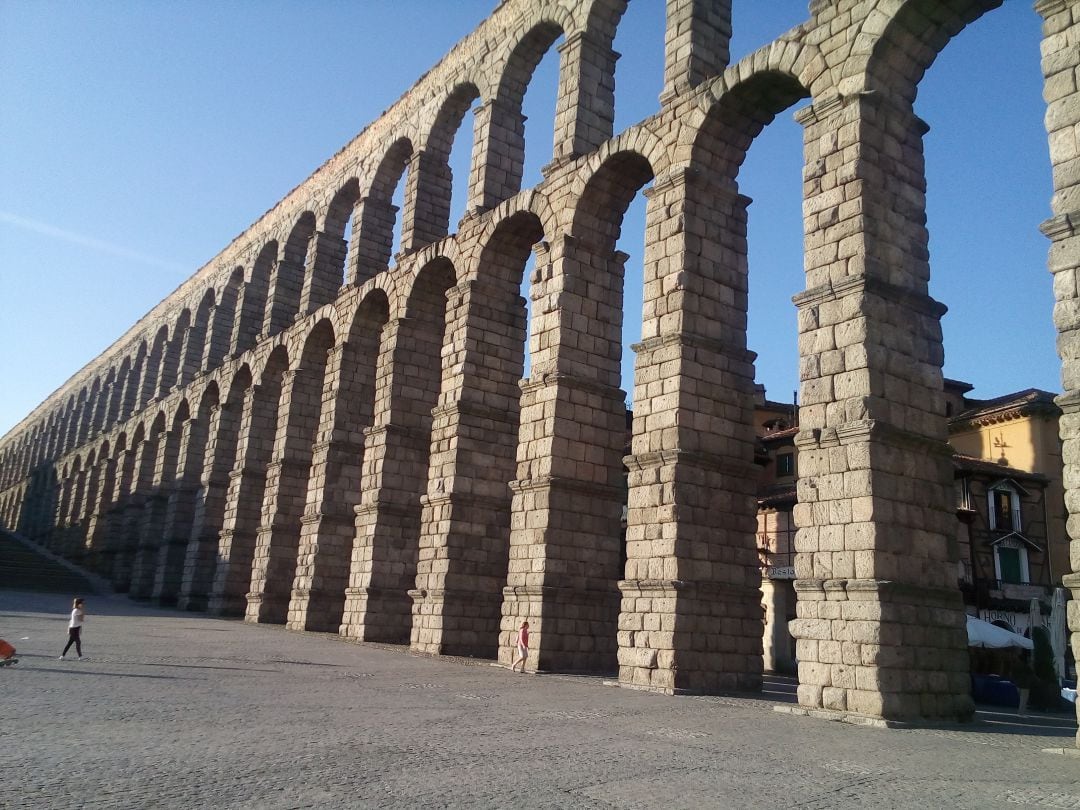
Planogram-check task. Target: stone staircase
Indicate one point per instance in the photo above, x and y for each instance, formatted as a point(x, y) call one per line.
point(23, 568)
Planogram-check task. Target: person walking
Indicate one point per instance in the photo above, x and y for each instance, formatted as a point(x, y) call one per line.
point(78, 618)
point(522, 647)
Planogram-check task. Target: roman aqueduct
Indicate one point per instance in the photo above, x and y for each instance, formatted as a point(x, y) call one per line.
point(310, 431)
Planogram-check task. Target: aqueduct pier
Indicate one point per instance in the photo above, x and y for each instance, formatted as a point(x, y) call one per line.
point(314, 432)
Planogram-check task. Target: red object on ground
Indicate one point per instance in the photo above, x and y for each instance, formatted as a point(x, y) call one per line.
point(6, 650)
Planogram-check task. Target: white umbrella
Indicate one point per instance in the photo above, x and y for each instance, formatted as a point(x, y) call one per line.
point(984, 634)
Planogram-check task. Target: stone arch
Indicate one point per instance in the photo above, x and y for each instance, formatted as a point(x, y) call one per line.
point(282, 576)
point(99, 498)
point(900, 39)
point(465, 518)
point(737, 116)
point(152, 370)
point(287, 278)
point(52, 441)
point(194, 345)
point(67, 428)
point(189, 435)
point(504, 152)
point(252, 322)
point(153, 544)
point(123, 527)
point(171, 361)
point(576, 358)
point(397, 453)
point(99, 397)
point(603, 18)
point(133, 387)
point(118, 389)
point(219, 337)
point(82, 417)
point(58, 522)
point(71, 524)
point(246, 471)
point(608, 192)
point(299, 402)
point(505, 251)
point(378, 215)
point(585, 117)
point(326, 527)
point(205, 477)
point(334, 260)
point(433, 185)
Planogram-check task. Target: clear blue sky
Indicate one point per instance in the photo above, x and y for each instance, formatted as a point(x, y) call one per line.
point(139, 138)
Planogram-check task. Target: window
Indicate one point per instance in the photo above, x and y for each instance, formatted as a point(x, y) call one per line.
point(785, 464)
point(1011, 561)
point(1004, 509)
point(963, 493)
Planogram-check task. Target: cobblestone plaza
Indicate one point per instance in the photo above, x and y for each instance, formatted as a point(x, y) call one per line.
point(179, 710)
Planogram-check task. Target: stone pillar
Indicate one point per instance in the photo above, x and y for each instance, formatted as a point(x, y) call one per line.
point(374, 239)
point(880, 628)
point(219, 332)
point(695, 44)
point(286, 286)
point(170, 363)
point(116, 396)
point(100, 503)
point(691, 603)
point(61, 515)
point(142, 481)
point(465, 519)
point(180, 514)
point(112, 536)
point(191, 352)
point(565, 537)
point(427, 201)
point(383, 566)
point(1060, 61)
point(327, 526)
point(249, 321)
point(776, 596)
point(200, 559)
point(585, 110)
point(152, 521)
point(278, 539)
point(75, 535)
point(243, 501)
point(325, 266)
point(497, 155)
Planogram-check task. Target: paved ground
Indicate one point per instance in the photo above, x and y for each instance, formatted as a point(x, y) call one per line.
point(178, 710)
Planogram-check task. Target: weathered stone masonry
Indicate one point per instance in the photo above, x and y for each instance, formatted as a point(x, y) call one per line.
point(312, 432)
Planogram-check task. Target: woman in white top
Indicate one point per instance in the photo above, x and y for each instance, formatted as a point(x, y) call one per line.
point(78, 616)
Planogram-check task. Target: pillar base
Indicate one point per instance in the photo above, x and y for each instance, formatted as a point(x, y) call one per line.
point(265, 609)
point(678, 637)
point(376, 614)
point(455, 622)
point(227, 606)
point(570, 629)
point(882, 649)
point(316, 609)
